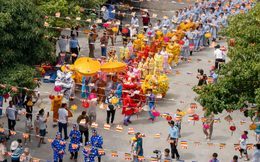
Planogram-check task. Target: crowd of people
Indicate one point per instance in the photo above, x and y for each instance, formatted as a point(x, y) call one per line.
point(151, 51)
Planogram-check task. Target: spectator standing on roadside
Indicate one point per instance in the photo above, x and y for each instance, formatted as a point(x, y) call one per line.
point(11, 116)
point(104, 42)
point(83, 121)
point(173, 138)
point(256, 154)
point(63, 118)
point(26, 157)
point(3, 150)
point(146, 18)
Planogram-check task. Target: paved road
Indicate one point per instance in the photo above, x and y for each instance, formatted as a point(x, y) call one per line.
point(120, 141)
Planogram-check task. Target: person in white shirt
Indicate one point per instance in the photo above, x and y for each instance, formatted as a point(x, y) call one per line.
point(243, 141)
point(43, 121)
point(133, 31)
point(26, 157)
point(256, 154)
point(135, 22)
point(3, 150)
point(63, 43)
point(11, 115)
point(219, 56)
point(63, 120)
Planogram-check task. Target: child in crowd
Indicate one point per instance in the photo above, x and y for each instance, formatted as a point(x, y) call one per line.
point(134, 147)
point(37, 125)
point(214, 158)
point(243, 144)
point(28, 126)
point(235, 158)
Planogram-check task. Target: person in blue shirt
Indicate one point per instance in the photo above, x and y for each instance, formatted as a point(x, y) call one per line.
point(151, 102)
point(75, 136)
point(139, 146)
point(74, 44)
point(118, 88)
point(85, 87)
point(214, 158)
point(173, 137)
point(58, 146)
point(89, 152)
point(135, 22)
point(97, 142)
point(16, 150)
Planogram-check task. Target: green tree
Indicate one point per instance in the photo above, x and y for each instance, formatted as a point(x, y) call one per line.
point(22, 43)
point(68, 8)
point(238, 82)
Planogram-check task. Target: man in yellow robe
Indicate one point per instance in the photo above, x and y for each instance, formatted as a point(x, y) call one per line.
point(158, 62)
point(179, 32)
point(124, 52)
point(174, 49)
point(171, 33)
point(143, 67)
point(150, 64)
point(112, 57)
point(191, 24)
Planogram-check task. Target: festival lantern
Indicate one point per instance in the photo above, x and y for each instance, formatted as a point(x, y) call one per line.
point(94, 26)
point(195, 118)
point(125, 31)
point(114, 101)
point(222, 48)
point(92, 96)
point(105, 25)
point(207, 35)
point(166, 39)
point(206, 126)
point(190, 111)
point(181, 42)
point(149, 33)
point(6, 96)
point(51, 97)
point(85, 104)
point(169, 118)
point(114, 29)
point(73, 108)
point(57, 88)
point(232, 128)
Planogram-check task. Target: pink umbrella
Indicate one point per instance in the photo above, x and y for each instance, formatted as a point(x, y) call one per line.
point(57, 88)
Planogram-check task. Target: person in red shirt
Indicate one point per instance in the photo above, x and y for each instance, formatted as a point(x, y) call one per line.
point(146, 18)
point(128, 107)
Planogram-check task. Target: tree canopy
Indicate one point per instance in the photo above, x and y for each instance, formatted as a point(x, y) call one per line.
point(238, 82)
point(22, 36)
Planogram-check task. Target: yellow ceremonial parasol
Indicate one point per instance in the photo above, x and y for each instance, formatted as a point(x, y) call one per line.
point(86, 66)
point(112, 67)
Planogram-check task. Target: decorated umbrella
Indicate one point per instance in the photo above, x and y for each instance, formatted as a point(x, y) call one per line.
point(112, 67)
point(86, 66)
